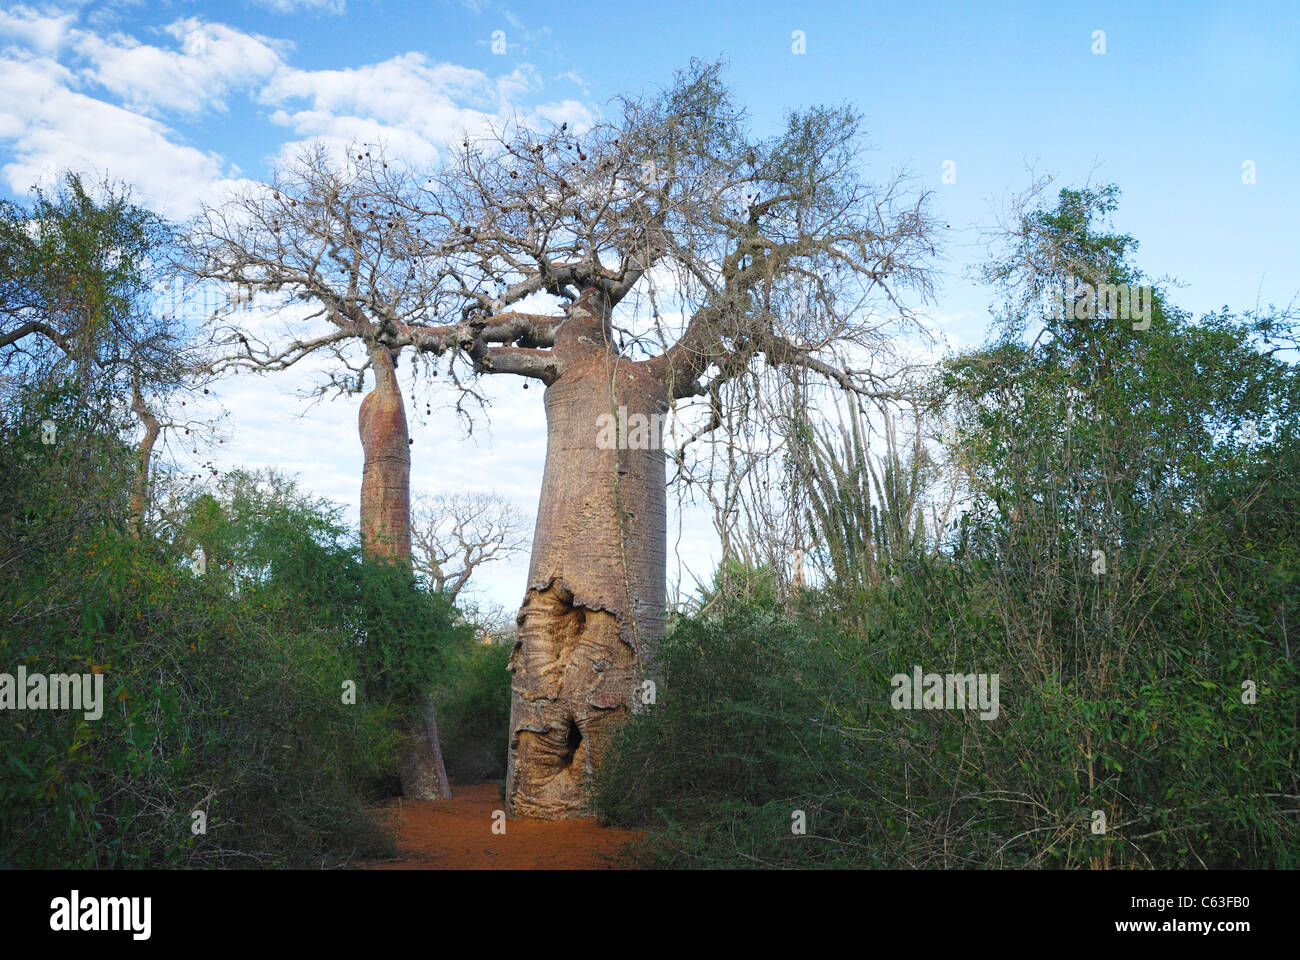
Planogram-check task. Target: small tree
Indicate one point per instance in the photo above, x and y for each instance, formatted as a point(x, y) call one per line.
point(345, 238)
point(455, 534)
point(78, 272)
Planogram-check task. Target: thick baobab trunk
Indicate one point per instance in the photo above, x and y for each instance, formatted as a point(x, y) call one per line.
point(386, 537)
point(594, 610)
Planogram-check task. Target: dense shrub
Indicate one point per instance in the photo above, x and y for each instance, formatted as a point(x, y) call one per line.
point(760, 716)
point(474, 711)
point(1126, 564)
point(223, 691)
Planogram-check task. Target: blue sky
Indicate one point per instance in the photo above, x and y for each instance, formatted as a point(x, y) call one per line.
point(182, 99)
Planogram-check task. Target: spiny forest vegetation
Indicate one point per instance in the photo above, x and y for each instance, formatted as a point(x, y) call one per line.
point(1102, 513)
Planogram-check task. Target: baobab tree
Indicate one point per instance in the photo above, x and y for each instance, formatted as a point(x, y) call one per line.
point(677, 253)
point(344, 237)
point(341, 236)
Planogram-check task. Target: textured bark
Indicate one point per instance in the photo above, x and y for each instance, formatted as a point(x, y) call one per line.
point(594, 610)
point(386, 476)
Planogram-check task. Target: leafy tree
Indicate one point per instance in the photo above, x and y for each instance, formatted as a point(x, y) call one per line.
point(79, 270)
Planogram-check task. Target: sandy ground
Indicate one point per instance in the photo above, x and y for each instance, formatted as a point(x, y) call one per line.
point(456, 834)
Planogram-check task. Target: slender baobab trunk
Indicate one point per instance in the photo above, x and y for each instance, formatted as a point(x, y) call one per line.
point(386, 476)
point(386, 538)
point(144, 459)
point(594, 610)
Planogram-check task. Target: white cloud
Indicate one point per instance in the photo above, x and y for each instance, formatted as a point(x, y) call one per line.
point(293, 6)
point(49, 122)
point(413, 105)
point(49, 127)
point(213, 61)
point(577, 115)
point(52, 123)
point(407, 88)
point(43, 32)
point(574, 78)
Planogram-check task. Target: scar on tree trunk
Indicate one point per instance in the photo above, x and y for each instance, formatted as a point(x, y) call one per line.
point(386, 538)
point(593, 613)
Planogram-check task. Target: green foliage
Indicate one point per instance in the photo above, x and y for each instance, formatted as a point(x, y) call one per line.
point(731, 745)
point(473, 700)
point(224, 692)
point(81, 264)
point(860, 541)
point(761, 715)
point(270, 544)
point(740, 582)
point(405, 633)
point(1172, 452)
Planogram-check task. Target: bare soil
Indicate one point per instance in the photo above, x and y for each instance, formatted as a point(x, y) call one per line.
point(456, 834)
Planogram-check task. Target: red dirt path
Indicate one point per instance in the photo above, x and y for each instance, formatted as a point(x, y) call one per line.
point(456, 834)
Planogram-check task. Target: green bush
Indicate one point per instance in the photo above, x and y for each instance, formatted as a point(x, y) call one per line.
point(736, 741)
point(473, 701)
point(760, 716)
point(223, 692)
